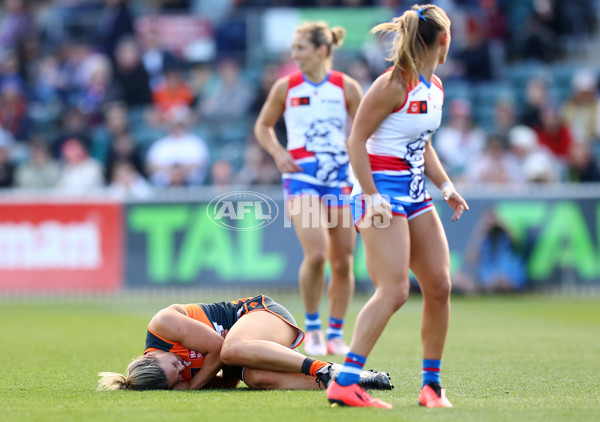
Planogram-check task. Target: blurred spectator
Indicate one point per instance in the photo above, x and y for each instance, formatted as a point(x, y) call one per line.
point(494, 19)
point(41, 171)
point(29, 53)
point(493, 252)
point(13, 111)
point(177, 177)
point(74, 124)
point(583, 166)
point(221, 174)
point(534, 161)
point(201, 77)
point(495, 22)
point(230, 37)
point(232, 96)
point(123, 149)
point(538, 39)
point(47, 82)
point(75, 56)
point(155, 57)
point(504, 117)
point(580, 112)
point(91, 96)
point(475, 58)
point(267, 79)
point(535, 97)
point(16, 24)
point(126, 182)
point(180, 158)
point(493, 165)
point(115, 123)
point(131, 77)
point(375, 51)
point(80, 172)
point(173, 92)
point(459, 140)
point(10, 70)
point(554, 133)
point(573, 17)
point(360, 71)
point(6, 137)
point(115, 22)
point(538, 167)
point(258, 168)
point(7, 168)
point(268, 76)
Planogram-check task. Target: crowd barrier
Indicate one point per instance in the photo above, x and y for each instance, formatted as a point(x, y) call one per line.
point(203, 237)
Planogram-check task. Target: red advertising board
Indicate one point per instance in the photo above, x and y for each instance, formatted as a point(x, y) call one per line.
point(61, 247)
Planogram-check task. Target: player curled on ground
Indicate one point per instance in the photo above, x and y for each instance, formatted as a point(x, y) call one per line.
point(317, 104)
point(391, 154)
point(216, 345)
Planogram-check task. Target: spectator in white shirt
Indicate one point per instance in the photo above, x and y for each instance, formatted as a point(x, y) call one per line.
point(459, 140)
point(80, 172)
point(179, 148)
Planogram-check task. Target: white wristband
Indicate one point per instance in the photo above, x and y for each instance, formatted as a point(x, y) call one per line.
point(447, 188)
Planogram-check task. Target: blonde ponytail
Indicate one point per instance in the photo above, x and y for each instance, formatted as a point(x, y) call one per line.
point(338, 33)
point(415, 31)
point(110, 381)
point(319, 34)
point(143, 373)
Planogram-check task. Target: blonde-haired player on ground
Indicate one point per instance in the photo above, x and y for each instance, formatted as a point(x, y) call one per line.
point(391, 153)
point(316, 103)
point(250, 339)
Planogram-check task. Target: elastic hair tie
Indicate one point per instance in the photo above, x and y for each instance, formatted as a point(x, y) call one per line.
point(419, 12)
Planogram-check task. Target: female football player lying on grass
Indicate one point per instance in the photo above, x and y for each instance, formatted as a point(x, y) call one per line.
point(249, 339)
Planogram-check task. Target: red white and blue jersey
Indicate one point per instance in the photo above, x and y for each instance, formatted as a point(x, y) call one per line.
point(315, 117)
point(396, 148)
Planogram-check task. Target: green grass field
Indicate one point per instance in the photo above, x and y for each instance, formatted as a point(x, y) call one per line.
point(522, 358)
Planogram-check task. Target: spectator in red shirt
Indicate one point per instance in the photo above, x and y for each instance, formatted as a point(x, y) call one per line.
point(13, 110)
point(554, 133)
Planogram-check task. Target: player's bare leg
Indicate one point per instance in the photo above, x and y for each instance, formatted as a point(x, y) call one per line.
point(306, 213)
point(430, 262)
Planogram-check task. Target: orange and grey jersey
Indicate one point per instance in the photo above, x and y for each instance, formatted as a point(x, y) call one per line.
point(220, 316)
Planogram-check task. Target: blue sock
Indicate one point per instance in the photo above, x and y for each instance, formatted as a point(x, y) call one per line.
point(350, 373)
point(312, 321)
point(431, 371)
point(335, 328)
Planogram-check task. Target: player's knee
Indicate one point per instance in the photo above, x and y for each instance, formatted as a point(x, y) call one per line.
point(341, 267)
point(398, 298)
point(316, 259)
point(394, 297)
point(440, 292)
point(259, 380)
point(232, 354)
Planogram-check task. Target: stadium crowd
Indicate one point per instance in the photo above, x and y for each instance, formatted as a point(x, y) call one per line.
point(93, 97)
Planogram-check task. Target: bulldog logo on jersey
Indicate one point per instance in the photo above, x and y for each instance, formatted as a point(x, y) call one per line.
point(417, 107)
point(330, 156)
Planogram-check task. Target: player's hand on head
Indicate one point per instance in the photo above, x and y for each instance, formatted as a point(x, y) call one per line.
point(285, 163)
point(454, 199)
